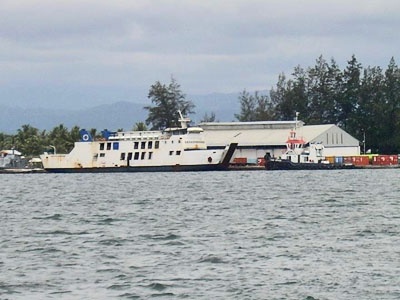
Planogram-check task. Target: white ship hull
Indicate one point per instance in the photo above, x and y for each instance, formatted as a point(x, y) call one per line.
point(176, 149)
point(83, 159)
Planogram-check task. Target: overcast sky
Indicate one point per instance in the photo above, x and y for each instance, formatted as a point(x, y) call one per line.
point(88, 52)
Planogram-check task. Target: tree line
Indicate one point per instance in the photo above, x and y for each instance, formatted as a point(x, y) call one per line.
point(365, 102)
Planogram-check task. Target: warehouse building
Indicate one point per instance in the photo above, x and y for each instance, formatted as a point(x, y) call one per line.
point(255, 139)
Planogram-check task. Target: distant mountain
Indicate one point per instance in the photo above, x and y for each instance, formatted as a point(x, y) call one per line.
point(225, 106)
point(111, 116)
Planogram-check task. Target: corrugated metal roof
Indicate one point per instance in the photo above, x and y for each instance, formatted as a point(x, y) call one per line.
point(250, 125)
point(270, 137)
point(246, 137)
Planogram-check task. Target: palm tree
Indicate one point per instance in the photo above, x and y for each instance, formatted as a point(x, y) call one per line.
point(60, 138)
point(140, 126)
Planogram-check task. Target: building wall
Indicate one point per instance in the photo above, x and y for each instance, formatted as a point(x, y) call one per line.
point(342, 151)
point(254, 153)
point(336, 137)
point(255, 139)
point(338, 142)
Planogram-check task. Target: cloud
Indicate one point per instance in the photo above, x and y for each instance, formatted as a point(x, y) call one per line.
point(209, 46)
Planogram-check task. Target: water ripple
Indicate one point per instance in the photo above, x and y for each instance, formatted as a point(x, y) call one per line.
point(209, 235)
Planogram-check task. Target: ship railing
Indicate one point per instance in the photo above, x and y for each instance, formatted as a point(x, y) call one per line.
point(126, 135)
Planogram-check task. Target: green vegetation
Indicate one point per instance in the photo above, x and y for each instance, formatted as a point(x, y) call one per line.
point(363, 101)
point(32, 142)
point(167, 101)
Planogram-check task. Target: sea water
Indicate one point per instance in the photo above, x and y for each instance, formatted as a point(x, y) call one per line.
point(208, 235)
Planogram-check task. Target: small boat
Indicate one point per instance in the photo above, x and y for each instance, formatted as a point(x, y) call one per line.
point(13, 162)
point(301, 155)
point(173, 149)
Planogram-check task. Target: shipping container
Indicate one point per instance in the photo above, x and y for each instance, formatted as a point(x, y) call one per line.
point(376, 160)
point(240, 161)
point(331, 159)
point(360, 160)
point(348, 160)
point(394, 159)
point(385, 160)
point(339, 160)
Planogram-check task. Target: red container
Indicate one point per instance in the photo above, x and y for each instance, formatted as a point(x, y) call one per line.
point(385, 160)
point(394, 159)
point(357, 160)
point(348, 160)
point(240, 160)
point(261, 161)
point(377, 160)
point(360, 160)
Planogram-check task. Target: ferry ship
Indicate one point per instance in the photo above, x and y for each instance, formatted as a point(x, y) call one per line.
point(173, 149)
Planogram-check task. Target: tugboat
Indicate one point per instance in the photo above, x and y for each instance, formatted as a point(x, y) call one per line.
point(173, 149)
point(300, 155)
